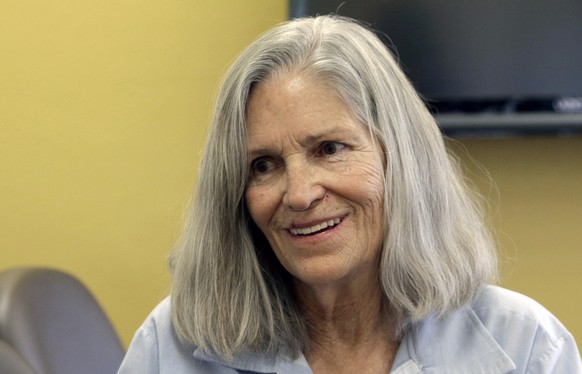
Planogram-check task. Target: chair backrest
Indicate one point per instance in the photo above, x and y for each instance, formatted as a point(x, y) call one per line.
point(53, 322)
point(11, 362)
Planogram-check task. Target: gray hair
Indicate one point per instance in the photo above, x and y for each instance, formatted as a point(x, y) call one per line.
point(230, 295)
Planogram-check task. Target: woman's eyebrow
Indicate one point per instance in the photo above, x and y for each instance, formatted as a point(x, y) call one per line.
point(326, 134)
point(309, 140)
point(262, 151)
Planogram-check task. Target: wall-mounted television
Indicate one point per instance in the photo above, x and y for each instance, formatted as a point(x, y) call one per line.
point(492, 67)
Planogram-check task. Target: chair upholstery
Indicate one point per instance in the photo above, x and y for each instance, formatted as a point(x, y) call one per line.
point(53, 322)
point(11, 362)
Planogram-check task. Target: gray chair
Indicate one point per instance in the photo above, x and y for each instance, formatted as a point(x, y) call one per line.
point(11, 362)
point(54, 324)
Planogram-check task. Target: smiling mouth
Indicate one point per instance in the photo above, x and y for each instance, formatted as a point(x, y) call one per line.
point(315, 228)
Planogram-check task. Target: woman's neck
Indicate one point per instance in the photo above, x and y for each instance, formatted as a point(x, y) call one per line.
point(348, 327)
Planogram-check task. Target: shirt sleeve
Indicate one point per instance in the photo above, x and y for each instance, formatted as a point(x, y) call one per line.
point(143, 353)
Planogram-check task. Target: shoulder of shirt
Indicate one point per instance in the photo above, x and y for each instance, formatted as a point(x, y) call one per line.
point(159, 319)
point(499, 331)
point(162, 310)
point(173, 355)
point(528, 333)
point(497, 307)
point(179, 357)
point(159, 325)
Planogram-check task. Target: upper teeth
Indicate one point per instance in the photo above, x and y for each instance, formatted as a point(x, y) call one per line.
point(315, 228)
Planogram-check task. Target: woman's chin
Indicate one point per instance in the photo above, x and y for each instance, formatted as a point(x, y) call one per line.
point(326, 276)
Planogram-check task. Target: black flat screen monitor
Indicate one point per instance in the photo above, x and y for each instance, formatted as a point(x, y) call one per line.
point(496, 66)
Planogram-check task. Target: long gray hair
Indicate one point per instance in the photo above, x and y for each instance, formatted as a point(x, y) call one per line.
point(230, 295)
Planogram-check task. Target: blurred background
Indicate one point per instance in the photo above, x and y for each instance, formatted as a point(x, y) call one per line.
point(104, 107)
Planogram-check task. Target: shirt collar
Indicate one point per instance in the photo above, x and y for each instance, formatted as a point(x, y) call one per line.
point(260, 363)
point(456, 343)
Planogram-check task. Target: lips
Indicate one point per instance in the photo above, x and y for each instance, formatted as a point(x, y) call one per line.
point(315, 228)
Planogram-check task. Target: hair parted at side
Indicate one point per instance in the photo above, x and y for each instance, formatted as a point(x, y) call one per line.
point(230, 295)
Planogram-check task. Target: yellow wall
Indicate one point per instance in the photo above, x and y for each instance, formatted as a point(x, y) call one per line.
point(103, 110)
point(536, 211)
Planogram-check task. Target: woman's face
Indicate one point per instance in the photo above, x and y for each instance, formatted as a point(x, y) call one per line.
point(316, 181)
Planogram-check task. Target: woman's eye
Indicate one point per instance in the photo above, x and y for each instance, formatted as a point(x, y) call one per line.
point(261, 166)
point(331, 148)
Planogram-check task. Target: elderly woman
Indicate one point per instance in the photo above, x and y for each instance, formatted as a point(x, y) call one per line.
point(331, 233)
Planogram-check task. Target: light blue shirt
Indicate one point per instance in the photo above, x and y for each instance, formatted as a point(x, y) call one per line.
point(500, 332)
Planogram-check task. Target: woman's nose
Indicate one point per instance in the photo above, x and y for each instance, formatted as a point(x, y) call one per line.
point(303, 187)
